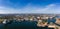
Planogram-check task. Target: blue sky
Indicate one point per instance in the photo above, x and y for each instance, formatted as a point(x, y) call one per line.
point(29, 6)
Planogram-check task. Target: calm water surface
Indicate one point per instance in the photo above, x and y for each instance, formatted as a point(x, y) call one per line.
point(21, 25)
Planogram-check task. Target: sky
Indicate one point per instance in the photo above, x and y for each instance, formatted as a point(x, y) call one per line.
point(30, 6)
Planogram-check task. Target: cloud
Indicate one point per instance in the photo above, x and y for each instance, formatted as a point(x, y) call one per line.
point(4, 10)
point(51, 8)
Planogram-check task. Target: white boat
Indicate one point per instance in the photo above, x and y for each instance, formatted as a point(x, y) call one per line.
point(51, 25)
point(41, 24)
point(4, 22)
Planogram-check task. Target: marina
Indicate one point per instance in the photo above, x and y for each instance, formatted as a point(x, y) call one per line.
point(29, 22)
point(29, 14)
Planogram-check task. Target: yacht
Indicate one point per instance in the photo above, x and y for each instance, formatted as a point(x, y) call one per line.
point(5, 21)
